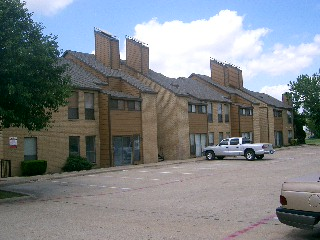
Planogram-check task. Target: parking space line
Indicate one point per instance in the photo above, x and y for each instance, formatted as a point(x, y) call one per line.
point(250, 227)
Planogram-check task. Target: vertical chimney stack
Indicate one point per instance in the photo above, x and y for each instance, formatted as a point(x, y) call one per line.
point(286, 98)
point(107, 49)
point(137, 55)
point(226, 74)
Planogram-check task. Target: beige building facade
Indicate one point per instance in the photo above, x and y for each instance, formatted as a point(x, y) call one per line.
point(122, 112)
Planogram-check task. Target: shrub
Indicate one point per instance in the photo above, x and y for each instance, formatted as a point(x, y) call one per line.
point(76, 163)
point(33, 167)
point(294, 142)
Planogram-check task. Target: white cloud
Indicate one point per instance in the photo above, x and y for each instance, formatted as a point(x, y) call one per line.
point(47, 7)
point(284, 59)
point(275, 91)
point(179, 49)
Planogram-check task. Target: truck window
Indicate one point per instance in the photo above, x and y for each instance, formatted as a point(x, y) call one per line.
point(234, 141)
point(246, 140)
point(224, 142)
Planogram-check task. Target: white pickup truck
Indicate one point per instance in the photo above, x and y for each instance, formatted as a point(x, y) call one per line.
point(238, 146)
point(300, 202)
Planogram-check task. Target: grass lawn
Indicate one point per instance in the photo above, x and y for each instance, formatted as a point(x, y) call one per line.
point(313, 141)
point(6, 194)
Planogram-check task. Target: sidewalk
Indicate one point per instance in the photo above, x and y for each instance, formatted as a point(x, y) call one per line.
point(20, 180)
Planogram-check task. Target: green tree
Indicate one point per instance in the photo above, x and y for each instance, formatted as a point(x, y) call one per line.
point(305, 94)
point(32, 82)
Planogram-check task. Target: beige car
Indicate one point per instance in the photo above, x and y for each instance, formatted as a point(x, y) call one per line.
point(300, 202)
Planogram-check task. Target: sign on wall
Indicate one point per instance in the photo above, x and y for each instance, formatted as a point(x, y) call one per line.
point(13, 142)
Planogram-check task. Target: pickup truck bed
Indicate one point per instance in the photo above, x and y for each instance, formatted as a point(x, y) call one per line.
point(300, 202)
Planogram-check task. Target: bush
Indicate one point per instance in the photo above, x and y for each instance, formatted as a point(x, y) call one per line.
point(33, 167)
point(76, 163)
point(294, 142)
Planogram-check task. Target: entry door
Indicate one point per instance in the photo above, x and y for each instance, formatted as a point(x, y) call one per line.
point(201, 141)
point(122, 151)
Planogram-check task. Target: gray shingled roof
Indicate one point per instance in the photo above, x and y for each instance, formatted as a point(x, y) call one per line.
point(91, 61)
point(80, 78)
point(229, 90)
point(247, 94)
point(187, 87)
point(267, 99)
point(120, 95)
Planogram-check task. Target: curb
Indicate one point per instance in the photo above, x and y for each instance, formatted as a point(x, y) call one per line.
point(4, 182)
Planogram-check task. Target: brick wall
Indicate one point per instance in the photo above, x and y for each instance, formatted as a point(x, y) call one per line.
point(149, 128)
point(53, 144)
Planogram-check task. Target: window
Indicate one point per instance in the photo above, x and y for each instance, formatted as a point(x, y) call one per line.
point(277, 113)
point(134, 105)
point(224, 142)
point(191, 108)
point(220, 136)
point(73, 108)
point(210, 116)
point(289, 113)
point(91, 148)
point(202, 109)
point(247, 135)
point(289, 136)
point(74, 146)
point(30, 148)
point(234, 141)
point(116, 104)
point(226, 112)
point(220, 113)
point(246, 111)
point(211, 139)
point(89, 106)
point(192, 145)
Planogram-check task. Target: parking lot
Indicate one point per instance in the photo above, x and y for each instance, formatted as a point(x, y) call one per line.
point(194, 199)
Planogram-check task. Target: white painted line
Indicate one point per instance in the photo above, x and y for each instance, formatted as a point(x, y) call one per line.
point(155, 179)
point(143, 171)
point(165, 172)
point(113, 187)
point(92, 185)
point(125, 188)
point(187, 173)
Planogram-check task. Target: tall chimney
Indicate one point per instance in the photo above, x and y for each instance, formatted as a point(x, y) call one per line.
point(226, 74)
point(107, 49)
point(137, 55)
point(286, 98)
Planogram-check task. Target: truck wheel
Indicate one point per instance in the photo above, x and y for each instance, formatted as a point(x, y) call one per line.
point(249, 155)
point(210, 155)
point(260, 156)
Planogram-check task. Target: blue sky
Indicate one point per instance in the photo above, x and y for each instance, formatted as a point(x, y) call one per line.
point(272, 41)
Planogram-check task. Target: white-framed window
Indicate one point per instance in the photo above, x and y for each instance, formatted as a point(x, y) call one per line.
point(211, 139)
point(191, 108)
point(226, 112)
point(246, 111)
point(220, 113)
point(89, 106)
point(248, 135)
point(73, 106)
point(202, 109)
point(134, 105)
point(289, 113)
point(91, 148)
point(117, 104)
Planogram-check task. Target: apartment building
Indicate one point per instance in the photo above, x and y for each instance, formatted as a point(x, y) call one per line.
point(122, 112)
point(257, 116)
point(111, 119)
